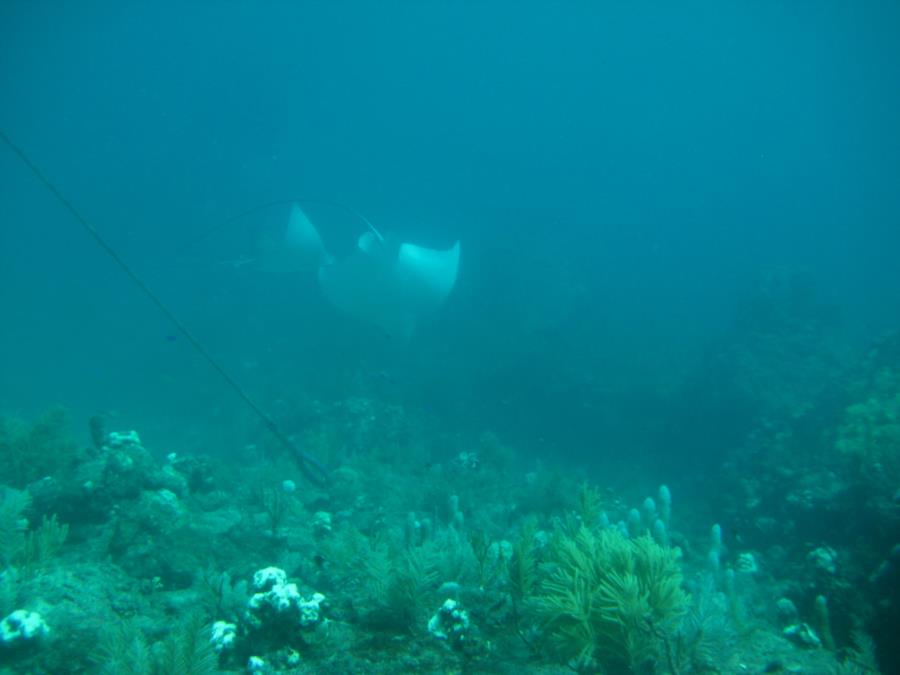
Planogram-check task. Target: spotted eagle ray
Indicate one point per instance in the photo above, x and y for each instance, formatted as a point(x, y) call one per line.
point(385, 282)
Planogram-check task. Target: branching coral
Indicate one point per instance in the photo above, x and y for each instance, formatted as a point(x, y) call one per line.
point(611, 601)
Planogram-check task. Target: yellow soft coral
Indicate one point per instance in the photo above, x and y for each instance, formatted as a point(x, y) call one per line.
point(611, 600)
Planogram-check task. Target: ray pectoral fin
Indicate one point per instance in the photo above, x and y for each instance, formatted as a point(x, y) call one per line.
point(302, 240)
point(298, 249)
point(425, 276)
point(391, 291)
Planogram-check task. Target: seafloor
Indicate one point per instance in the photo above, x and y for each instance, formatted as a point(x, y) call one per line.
point(122, 558)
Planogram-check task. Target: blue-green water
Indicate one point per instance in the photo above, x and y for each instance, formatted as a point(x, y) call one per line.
point(679, 228)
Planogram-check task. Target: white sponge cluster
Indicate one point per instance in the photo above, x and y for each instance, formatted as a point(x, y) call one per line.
point(222, 636)
point(267, 577)
point(450, 622)
point(277, 601)
point(20, 627)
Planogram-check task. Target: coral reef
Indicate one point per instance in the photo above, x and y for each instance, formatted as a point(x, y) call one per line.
point(426, 556)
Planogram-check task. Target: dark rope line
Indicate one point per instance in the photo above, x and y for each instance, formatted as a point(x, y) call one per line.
point(311, 467)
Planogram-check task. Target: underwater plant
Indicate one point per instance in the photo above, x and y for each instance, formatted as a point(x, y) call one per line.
point(42, 544)
point(705, 632)
point(612, 602)
point(13, 524)
point(30, 451)
point(398, 584)
point(185, 651)
point(221, 596)
point(123, 649)
point(860, 659)
point(522, 567)
point(589, 504)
